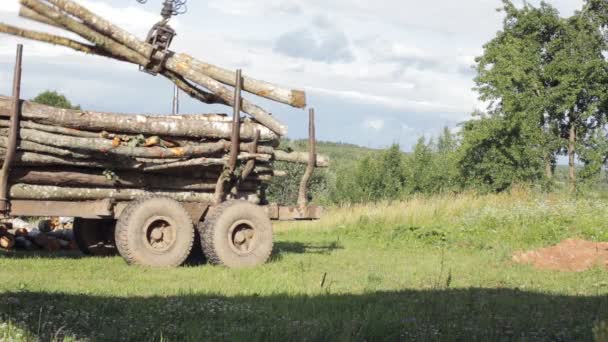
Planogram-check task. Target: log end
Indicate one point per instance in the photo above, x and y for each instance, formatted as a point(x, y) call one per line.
point(298, 98)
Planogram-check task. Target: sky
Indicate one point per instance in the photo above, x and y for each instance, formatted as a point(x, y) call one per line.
point(376, 72)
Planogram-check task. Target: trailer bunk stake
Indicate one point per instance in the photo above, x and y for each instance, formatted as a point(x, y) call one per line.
point(13, 137)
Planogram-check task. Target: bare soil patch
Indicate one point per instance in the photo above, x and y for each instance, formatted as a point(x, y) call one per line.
point(571, 255)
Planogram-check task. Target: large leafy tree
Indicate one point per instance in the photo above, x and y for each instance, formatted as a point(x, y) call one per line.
point(545, 81)
point(579, 83)
point(515, 139)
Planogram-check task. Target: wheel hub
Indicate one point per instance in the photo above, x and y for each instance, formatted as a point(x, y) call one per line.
point(160, 234)
point(242, 237)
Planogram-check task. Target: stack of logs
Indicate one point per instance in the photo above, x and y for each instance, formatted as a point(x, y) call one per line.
point(50, 235)
point(82, 155)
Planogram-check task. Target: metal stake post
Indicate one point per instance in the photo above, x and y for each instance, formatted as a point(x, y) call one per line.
point(235, 140)
point(13, 136)
point(312, 161)
point(236, 122)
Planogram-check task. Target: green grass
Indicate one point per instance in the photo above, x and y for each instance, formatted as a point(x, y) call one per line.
point(425, 269)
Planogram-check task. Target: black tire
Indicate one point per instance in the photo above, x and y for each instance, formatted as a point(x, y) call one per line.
point(95, 237)
point(237, 234)
point(155, 231)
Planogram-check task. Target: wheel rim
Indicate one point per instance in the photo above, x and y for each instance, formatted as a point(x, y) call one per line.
point(160, 234)
point(242, 237)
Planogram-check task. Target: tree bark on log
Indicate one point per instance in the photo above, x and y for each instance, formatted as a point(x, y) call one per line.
point(210, 126)
point(173, 65)
point(40, 159)
point(44, 192)
point(107, 147)
point(27, 13)
point(70, 177)
point(295, 98)
point(204, 162)
point(29, 146)
point(300, 158)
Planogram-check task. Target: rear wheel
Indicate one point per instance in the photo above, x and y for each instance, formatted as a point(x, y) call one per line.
point(155, 231)
point(95, 236)
point(237, 234)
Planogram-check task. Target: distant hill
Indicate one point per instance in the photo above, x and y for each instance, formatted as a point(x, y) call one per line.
point(340, 153)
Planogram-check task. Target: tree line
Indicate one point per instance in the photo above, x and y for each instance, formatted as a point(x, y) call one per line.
point(544, 81)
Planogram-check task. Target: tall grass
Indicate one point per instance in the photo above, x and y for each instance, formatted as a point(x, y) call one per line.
point(518, 219)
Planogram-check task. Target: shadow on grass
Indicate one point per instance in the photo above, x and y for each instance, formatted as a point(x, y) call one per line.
point(292, 247)
point(196, 257)
point(455, 315)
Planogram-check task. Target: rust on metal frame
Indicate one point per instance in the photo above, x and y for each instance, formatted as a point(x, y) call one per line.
point(13, 136)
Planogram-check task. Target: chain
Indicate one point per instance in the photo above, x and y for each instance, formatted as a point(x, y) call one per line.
point(171, 8)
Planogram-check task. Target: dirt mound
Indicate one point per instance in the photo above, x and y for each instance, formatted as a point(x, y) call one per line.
point(572, 255)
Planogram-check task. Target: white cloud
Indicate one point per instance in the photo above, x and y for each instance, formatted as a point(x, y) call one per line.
point(375, 124)
point(10, 6)
point(133, 18)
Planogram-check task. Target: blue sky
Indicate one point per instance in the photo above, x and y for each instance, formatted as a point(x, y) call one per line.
point(377, 72)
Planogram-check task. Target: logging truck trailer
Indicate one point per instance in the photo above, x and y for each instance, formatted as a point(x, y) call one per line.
point(154, 230)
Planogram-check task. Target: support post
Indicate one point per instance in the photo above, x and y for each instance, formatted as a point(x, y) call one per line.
point(235, 141)
point(236, 122)
point(312, 161)
point(13, 137)
point(175, 100)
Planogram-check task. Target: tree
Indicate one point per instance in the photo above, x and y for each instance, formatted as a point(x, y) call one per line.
point(545, 79)
point(419, 171)
point(446, 162)
point(496, 153)
point(514, 140)
point(578, 76)
point(374, 178)
point(54, 99)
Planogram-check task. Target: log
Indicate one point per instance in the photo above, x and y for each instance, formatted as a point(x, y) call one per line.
point(27, 13)
point(52, 39)
point(29, 146)
point(204, 162)
point(53, 129)
point(211, 126)
point(267, 147)
point(25, 158)
point(7, 241)
point(39, 141)
point(114, 48)
point(108, 147)
point(295, 98)
point(300, 158)
point(43, 192)
point(72, 177)
point(108, 45)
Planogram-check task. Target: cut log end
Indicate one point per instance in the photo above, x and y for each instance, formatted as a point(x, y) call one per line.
point(299, 98)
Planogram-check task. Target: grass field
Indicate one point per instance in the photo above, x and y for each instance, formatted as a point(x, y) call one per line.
point(425, 269)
